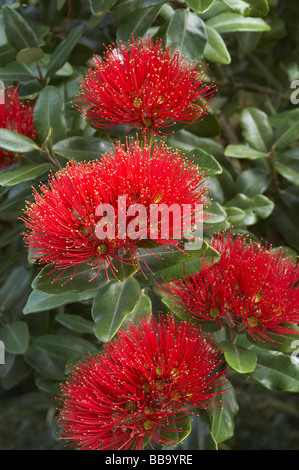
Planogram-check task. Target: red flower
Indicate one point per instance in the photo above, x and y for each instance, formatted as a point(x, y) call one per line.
point(17, 116)
point(69, 223)
point(143, 86)
point(251, 285)
point(120, 398)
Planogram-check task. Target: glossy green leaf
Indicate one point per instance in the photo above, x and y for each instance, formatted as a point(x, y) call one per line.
point(256, 129)
point(207, 126)
point(49, 113)
point(14, 142)
point(215, 213)
point(192, 39)
point(286, 343)
point(276, 371)
point(232, 22)
point(24, 72)
point(222, 418)
point(215, 49)
point(285, 215)
point(18, 31)
point(80, 279)
point(30, 54)
point(39, 301)
point(45, 363)
point(286, 127)
point(243, 151)
point(235, 215)
point(287, 165)
point(67, 347)
point(25, 173)
point(14, 287)
point(99, 7)
point(63, 50)
point(137, 24)
point(249, 8)
point(112, 304)
point(15, 337)
point(75, 323)
point(82, 148)
point(175, 428)
point(205, 161)
point(239, 358)
point(200, 6)
point(170, 264)
point(200, 437)
point(122, 6)
point(253, 181)
point(255, 208)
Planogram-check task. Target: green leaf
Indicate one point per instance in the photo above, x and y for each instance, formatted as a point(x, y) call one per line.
point(191, 40)
point(282, 343)
point(122, 6)
point(275, 370)
point(286, 128)
point(256, 129)
point(200, 6)
point(49, 113)
point(112, 304)
point(99, 7)
point(200, 437)
point(285, 216)
point(25, 173)
point(232, 22)
point(215, 49)
point(15, 337)
point(249, 8)
point(222, 418)
point(205, 162)
point(14, 142)
point(208, 126)
point(216, 213)
point(68, 347)
point(24, 72)
point(239, 358)
point(171, 263)
point(175, 428)
point(39, 301)
point(18, 31)
point(45, 363)
point(137, 24)
point(235, 215)
point(14, 287)
point(75, 323)
point(243, 151)
point(253, 181)
point(30, 54)
point(79, 279)
point(287, 165)
point(63, 50)
point(255, 208)
point(82, 148)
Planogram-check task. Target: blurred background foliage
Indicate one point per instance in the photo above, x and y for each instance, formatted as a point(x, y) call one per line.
point(252, 48)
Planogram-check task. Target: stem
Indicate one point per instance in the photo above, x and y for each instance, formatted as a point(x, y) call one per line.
point(41, 79)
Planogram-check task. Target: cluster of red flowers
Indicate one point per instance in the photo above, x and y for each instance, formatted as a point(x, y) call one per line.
point(17, 116)
point(63, 220)
point(251, 285)
point(142, 85)
point(127, 395)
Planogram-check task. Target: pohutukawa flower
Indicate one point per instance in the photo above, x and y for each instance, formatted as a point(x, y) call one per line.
point(122, 397)
point(17, 116)
point(98, 211)
point(251, 285)
point(142, 85)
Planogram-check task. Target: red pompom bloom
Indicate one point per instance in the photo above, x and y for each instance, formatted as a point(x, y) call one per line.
point(17, 116)
point(88, 210)
point(123, 397)
point(143, 86)
point(252, 286)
